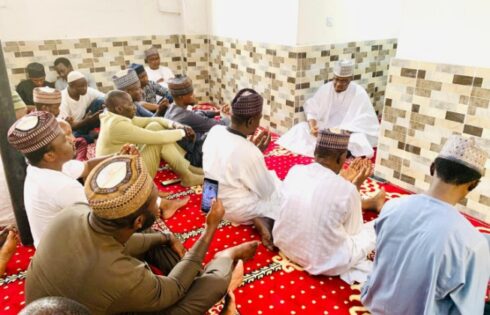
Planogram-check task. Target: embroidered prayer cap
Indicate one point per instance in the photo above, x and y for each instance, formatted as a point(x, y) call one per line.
point(335, 139)
point(118, 187)
point(74, 75)
point(150, 52)
point(35, 70)
point(125, 78)
point(17, 100)
point(138, 68)
point(46, 95)
point(180, 85)
point(247, 103)
point(344, 68)
point(464, 151)
point(33, 131)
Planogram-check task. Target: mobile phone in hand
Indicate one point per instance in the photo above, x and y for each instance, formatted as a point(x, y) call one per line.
point(209, 192)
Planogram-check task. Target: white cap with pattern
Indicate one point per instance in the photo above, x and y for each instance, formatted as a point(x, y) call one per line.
point(464, 151)
point(344, 68)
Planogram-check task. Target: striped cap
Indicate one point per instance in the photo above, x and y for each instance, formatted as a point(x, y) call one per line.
point(46, 95)
point(180, 85)
point(464, 151)
point(125, 78)
point(334, 139)
point(118, 187)
point(150, 52)
point(33, 132)
point(247, 103)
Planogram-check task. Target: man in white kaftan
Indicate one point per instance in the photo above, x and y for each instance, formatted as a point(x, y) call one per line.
point(246, 187)
point(249, 191)
point(338, 104)
point(320, 224)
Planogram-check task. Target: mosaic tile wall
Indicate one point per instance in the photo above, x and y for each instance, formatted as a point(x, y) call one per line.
point(287, 76)
point(269, 69)
point(102, 57)
point(425, 103)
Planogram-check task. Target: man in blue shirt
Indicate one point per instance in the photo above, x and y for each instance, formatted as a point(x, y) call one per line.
point(127, 80)
point(201, 122)
point(429, 258)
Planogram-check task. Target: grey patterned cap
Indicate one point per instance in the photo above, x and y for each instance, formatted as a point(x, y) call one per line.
point(344, 68)
point(464, 151)
point(125, 78)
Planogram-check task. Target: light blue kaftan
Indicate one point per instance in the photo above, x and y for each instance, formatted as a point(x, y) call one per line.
point(429, 260)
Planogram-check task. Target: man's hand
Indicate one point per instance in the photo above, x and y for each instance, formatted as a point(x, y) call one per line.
point(92, 117)
point(215, 214)
point(365, 171)
point(164, 102)
point(226, 110)
point(230, 305)
point(314, 131)
point(312, 123)
point(262, 140)
point(9, 246)
point(129, 149)
point(189, 133)
point(177, 246)
point(70, 120)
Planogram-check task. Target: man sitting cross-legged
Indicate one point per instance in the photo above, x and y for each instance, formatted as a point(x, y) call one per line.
point(156, 136)
point(341, 104)
point(101, 262)
point(426, 250)
point(250, 192)
point(200, 121)
point(320, 224)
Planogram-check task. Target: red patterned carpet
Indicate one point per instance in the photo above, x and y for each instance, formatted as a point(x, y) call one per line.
point(272, 283)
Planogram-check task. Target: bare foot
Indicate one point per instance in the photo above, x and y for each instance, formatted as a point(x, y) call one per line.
point(375, 203)
point(236, 276)
point(8, 249)
point(163, 194)
point(264, 227)
point(169, 207)
point(244, 251)
point(380, 200)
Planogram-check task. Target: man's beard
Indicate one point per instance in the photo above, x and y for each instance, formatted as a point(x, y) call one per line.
point(149, 220)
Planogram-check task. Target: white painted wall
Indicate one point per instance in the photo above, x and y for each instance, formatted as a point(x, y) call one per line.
point(446, 31)
point(55, 19)
point(268, 21)
point(352, 20)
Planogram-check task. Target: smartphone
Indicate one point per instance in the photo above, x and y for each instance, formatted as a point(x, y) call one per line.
point(170, 182)
point(209, 192)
